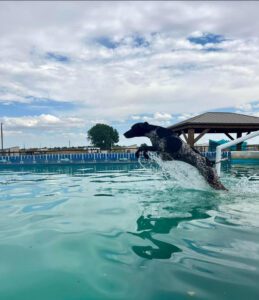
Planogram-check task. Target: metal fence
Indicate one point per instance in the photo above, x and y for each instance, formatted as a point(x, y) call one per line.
point(83, 158)
point(67, 158)
point(211, 155)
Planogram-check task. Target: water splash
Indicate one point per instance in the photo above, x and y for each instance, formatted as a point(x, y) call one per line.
point(242, 182)
point(180, 175)
point(176, 174)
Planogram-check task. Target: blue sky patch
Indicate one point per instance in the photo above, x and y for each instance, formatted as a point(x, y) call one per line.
point(232, 109)
point(212, 49)
point(140, 41)
point(107, 42)
point(36, 106)
point(224, 109)
point(136, 41)
point(207, 38)
point(57, 57)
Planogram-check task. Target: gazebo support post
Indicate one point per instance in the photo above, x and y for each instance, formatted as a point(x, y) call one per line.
point(191, 137)
point(239, 146)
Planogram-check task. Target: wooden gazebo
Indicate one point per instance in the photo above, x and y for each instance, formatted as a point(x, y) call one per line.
point(216, 122)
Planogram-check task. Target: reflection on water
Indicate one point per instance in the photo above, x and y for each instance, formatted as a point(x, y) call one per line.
point(147, 226)
point(127, 231)
point(162, 251)
point(42, 206)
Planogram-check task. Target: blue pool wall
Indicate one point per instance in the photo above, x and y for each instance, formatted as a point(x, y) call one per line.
point(84, 158)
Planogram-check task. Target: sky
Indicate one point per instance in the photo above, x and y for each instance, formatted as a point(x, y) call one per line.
point(65, 66)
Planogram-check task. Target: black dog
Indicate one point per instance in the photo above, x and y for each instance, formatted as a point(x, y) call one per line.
point(171, 147)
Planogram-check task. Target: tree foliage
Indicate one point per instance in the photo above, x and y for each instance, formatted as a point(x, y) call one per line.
point(144, 145)
point(103, 136)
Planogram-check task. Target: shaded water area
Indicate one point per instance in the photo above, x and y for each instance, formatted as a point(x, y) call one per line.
point(128, 231)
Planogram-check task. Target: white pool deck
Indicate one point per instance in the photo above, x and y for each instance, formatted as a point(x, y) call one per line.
point(245, 155)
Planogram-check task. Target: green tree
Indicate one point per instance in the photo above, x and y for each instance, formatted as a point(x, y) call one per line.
point(103, 136)
point(144, 145)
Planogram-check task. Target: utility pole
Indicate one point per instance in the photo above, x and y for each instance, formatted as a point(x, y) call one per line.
point(2, 139)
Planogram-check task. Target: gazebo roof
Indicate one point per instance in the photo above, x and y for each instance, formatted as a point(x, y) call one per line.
point(218, 122)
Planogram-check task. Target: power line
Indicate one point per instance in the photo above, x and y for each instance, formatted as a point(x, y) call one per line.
point(2, 139)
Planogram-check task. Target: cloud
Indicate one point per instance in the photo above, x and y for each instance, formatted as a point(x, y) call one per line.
point(162, 116)
point(245, 107)
point(119, 61)
point(157, 118)
point(185, 117)
point(41, 122)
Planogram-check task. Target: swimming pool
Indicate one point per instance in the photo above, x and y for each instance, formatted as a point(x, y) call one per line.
point(127, 231)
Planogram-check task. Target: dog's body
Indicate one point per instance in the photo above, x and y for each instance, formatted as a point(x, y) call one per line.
point(171, 147)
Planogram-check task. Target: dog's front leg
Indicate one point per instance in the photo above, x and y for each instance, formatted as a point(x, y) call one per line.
point(145, 149)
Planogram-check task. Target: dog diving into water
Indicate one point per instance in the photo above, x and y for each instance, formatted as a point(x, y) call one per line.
point(171, 147)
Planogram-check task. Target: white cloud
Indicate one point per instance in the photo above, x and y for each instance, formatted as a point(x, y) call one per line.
point(246, 107)
point(185, 117)
point(162, 116)
point(41, 121)
point(158, 118)
point(171, 75)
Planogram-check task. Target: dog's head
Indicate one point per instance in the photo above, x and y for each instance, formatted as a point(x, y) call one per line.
point(139, 129)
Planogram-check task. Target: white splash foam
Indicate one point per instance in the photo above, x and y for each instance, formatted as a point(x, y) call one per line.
point(178, 174)
point(244, 185)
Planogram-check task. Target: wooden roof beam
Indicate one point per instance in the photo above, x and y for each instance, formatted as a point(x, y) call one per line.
point(229, 136)
point(201, 135)
point(219, 127)
point(185, 136)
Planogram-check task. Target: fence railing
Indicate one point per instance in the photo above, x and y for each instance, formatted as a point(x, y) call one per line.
point(67, 158)
point(220, 148)
point(211, 155)
point(82, 158)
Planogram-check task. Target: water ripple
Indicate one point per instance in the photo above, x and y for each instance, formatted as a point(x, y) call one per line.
point(128, 232)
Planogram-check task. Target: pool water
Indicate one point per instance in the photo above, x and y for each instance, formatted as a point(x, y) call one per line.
point(128, 231)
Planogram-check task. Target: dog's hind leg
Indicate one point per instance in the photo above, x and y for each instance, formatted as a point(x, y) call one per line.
point(191, 157)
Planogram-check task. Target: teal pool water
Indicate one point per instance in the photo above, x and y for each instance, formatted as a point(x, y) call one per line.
point(127, 231)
